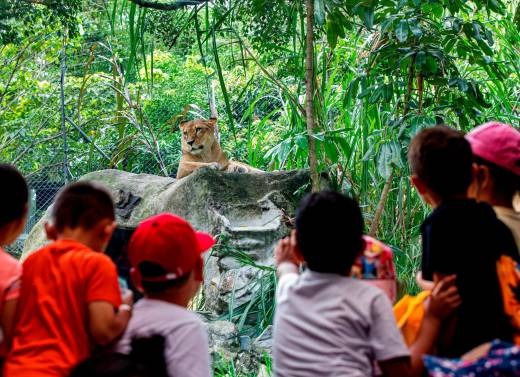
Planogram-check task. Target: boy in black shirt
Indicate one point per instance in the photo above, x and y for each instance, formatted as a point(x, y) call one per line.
point(460, 237)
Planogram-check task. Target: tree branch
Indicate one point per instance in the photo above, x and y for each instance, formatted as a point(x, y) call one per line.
point(167, 6)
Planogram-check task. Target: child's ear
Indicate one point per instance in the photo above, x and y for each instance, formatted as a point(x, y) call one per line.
point(418, 184)
point(50, 231)
point(481, 175)
point(199, 271)
point(136, 279)
point(109, 229)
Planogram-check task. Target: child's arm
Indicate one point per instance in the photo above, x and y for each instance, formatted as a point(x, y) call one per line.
point(287, 261)
point(105, 325)
point(8, 320)
point(443, 302)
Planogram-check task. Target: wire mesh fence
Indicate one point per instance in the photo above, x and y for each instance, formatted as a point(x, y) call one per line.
point(84, 119)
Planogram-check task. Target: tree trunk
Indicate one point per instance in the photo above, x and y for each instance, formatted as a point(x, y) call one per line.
point(309, 81)
point(381, 206)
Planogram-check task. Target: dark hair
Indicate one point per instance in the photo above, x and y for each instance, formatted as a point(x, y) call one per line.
point(153, 270)
point(82, 204)
point(441, 157)
point(506, 183)
point(14, 191)
point(149, 352)
point(146, 359)
point(329, 230)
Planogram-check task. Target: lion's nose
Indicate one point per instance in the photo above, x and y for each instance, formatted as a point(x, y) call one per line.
point(190, 143)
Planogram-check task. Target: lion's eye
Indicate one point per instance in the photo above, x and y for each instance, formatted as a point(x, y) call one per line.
point(185, 134)
point(198, 129)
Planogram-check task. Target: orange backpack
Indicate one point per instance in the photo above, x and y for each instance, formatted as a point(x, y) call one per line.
point(409, 313)
point(509, 280)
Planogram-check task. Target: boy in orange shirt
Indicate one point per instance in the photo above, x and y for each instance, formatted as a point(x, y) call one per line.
point(70, 299)
point(13, 214)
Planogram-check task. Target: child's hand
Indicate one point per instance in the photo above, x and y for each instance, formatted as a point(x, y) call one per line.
point(127, 297)
point(444, 299)
point(285, 251)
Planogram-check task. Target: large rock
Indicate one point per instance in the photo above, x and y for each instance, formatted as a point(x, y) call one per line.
point(249, 212)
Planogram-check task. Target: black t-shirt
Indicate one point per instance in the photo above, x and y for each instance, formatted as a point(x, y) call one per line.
point(465, 238)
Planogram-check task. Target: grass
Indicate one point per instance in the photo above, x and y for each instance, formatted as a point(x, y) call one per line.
point(230, 369)
point(253, 317)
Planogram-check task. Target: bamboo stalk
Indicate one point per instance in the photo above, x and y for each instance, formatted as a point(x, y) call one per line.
point(309, 111)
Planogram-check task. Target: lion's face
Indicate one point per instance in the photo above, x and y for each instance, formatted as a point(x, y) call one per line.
point(198, 135)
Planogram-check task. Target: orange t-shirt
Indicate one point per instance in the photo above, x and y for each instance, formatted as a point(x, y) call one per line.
point(10, 273)
point(58, 283)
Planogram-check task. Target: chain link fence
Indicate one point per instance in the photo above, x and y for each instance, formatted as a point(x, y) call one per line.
point(82, 119)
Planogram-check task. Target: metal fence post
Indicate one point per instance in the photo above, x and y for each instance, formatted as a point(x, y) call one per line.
point(62, 105)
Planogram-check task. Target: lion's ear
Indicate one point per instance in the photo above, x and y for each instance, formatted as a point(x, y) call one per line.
point(212, 122)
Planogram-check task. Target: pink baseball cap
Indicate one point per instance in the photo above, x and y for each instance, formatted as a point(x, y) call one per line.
point(498, 143)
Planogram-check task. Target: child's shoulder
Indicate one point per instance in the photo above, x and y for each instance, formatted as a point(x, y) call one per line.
point(7, 259)
point(163, 313)
point(9, 266)
point(359, 292)
point(67, 252)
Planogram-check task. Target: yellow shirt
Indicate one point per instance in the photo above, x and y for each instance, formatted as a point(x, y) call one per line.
point(512, 219)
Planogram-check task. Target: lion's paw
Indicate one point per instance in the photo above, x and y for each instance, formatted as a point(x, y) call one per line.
point(215, 166)
point(238, 169)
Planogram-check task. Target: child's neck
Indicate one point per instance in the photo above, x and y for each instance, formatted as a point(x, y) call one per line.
point(80, 235)
point(173, 297)
point(438, 201)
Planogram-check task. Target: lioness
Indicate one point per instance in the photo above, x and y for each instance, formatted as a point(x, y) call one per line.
point(200, 148)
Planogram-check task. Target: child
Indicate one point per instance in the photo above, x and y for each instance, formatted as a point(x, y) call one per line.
point(166, 257)
point(496, 152)
point(375, 266)
point(461, 237)
point(13, 215)
point(329, 323)
point(70, 299)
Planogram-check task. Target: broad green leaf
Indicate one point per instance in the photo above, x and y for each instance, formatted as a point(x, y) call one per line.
point(449, 44)
point(484, 47)
point(477, 31)
point(332, 36)
point(420, 59)
point(388, 92)
point(389, 156)
point(331, 150)
point(415, 28)
point(302, 142)
point(437, 10)
point(368, 17)
point(430, 65)
point(376, 95)
point(319, 12)
point(401, 31)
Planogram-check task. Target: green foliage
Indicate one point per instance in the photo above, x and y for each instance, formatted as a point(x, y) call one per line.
point(384, 70)
point(18, 18)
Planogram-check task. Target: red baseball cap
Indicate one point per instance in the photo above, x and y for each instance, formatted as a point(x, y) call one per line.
point(170, 242)
point(498, 143)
